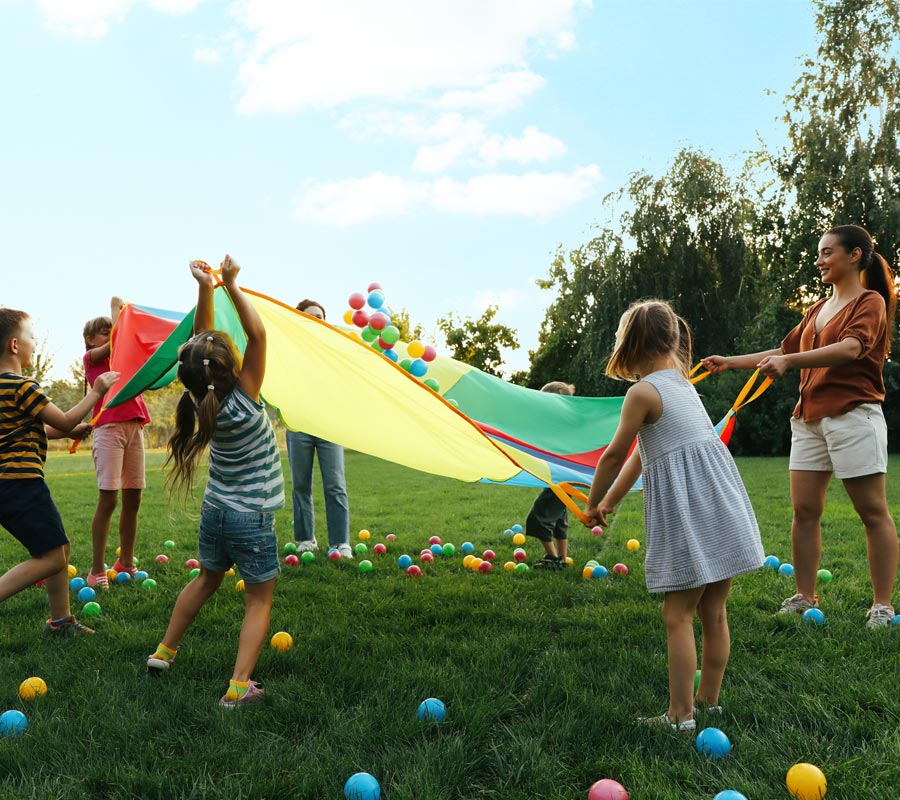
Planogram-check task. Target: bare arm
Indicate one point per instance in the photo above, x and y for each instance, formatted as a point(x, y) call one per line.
point(716, 364)
point(81, 431)
point(253, 369)
point(63, 422)
point(203, 315)
point(627, 478)
point(832, 355)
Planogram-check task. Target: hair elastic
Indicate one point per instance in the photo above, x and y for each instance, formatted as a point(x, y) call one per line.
point(209, 338)
point(205, 362)
point(211, 387)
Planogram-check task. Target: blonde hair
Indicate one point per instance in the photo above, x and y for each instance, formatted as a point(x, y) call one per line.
point(93, 326)
point(649, 329)
point(208, 366)
point(558, 387)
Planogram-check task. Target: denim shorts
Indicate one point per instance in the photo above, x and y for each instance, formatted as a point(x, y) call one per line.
point(244, 538)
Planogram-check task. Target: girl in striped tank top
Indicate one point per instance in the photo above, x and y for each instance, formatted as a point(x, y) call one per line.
point(700, 528)
point(221, 408)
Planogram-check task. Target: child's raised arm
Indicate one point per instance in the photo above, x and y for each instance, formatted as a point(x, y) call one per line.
point(253, 369)
point(203, 315)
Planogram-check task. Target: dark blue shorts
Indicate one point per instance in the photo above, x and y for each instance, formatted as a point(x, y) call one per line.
point(244, 538)
point(28, 512)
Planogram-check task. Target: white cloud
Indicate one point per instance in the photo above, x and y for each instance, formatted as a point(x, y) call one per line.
point(207, 55)
point(309, 54)
point(92, 18)
point(536, 195)
point(531, 146)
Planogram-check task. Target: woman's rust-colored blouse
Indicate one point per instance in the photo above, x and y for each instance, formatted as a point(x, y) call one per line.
point(829, 391)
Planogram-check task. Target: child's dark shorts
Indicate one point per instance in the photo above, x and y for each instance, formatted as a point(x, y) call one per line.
point(28, 512)
point(548, 518)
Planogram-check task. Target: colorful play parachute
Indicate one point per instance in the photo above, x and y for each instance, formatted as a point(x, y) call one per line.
point(332, 385)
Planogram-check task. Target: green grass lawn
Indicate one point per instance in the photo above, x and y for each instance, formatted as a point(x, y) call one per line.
point(543, 675)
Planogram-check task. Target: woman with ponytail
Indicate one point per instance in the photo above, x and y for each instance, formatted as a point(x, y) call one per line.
point(221, 408)
point(838, 426)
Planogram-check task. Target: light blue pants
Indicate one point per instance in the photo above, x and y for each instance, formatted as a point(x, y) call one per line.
point(301, 447)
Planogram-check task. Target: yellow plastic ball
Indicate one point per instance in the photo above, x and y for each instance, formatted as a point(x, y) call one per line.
point(118, 551)
point(509, 566)
point(415, 349)
point(570, 560)
point(239, 586)
point(32, 687)
point(348, 316)
point(364, 535)
point(519, 539)
point(72, 571)
point(467, 561)
point(282, 641)
point(111, 575)
point(587, 573)
point(475, 563)
point(806, 782)
point(633, 544)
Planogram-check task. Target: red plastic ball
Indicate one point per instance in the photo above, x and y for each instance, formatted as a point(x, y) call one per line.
point(191, 563)
point(291, 560)
point(434, 540)
point(488, 555)
point(360, 319)
point(621, 569)
point(427, 556)
point(372, 287)
point(380, 549)
point(607, 789)
point(485, 566)
point(414, 571)
point(357, 300)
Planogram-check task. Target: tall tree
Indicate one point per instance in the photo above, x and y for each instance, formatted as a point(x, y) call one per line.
point(478, 342)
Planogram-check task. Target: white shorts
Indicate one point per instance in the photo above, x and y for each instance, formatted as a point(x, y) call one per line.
point(849, 445)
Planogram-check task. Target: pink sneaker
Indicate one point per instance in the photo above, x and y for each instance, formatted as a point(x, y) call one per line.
point(254, 693)
point(100, 580)
point(118, 567)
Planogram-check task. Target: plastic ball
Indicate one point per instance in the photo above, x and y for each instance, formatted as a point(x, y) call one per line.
point(475, 563)
point(730, 794)
point(825, 575)
point(281, 641)
point(592, 563)
point(149, 584)
point(391, 355)
point(570, 560)
point(375, 299)
point(607, 789)
point(12, 723)
point(620, 569)
point(373, 286)
point(140, 576)
point(391, 536)
point(161, 559)
point(427, 556)
point(92, 609)
point(230, 572)
point(895, 620)
point(508, 532)
point(599, 571)
point(517, 528)
point(415, 349)
point(786, 569)
point(168, 544)
point(378, 321)
point(433, 710)
point(509, 566)
point(191, 563)
point(73, 570)
point(587, 573)
point(76, 583)
point(365, 566)
point(414, 571)
point(485, 566)
point(467, 561)
point(364, 535)
point(390, 335)
point(239, 586)
point(123, 577)
point(814, 616)
point(111, 575)
point(520, 555)
point(467, 547)
point(418, 368)
point(308, 557)
point(360, 318)
point(696, 681)
point(772, 562)
point(521, 567)
point(356, 300)
point(404, 561)
point(434, 540)
point(334, 554)
point(368, 334)
point(361, 549)
point(806, 782)
point(432, 384)
point(518, 538)
point(118, 551)
point(362, 786)
point(291, 560)
point(380, 549)
point(453, 402)
point(597, 530)
point(437, 549)
point(488, 555)
point(713, 743)
point(86, 594)
point(289, 548)
point(429, 353)
point(32, 687)
point(633, 544)
point(348, 316)
point(449, 549)
point(194, 573)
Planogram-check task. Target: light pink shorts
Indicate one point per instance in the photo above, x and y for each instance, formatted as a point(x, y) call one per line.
point(118, 453)
point(850, 445)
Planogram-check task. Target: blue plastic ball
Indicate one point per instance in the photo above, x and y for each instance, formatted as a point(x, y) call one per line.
point(375, 299)
point(123, 577)
point(786, 569)
point(391, 354)
point(418, 368)
point(12, 723)
point(76, 583)
point(730, 794)
point(713, 743)
point(599, 572)
point(437, 549)
point(404, 561)
point(517, 528)
point(433, 710)
point(140, 575)
point(362, 786)
point(895, 621)
point(772, 562)
point(86, 594)
point(467, 547)
point(814, 616)
point(509, 532)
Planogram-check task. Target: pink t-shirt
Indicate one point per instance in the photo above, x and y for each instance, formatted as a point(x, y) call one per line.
point(133, 410)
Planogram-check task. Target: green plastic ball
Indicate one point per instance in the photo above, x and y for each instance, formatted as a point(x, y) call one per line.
point(361, 549)
point(148, 584)
point(92, 609)
point(449, 549)
point(824, 576)
point(194, 572)
point(308, 557)
point(521, 567)
point(289, 548)
point(168, 544)
point(365, 566)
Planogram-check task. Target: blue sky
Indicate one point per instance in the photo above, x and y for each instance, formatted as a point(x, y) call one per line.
point(444, 148)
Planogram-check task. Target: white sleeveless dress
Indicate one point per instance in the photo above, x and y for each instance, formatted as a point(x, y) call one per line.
point(700, 526)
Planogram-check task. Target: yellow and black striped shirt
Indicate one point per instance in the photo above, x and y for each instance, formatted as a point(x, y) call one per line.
point(23, 440)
